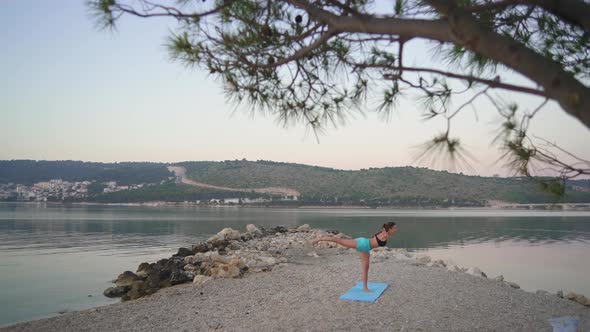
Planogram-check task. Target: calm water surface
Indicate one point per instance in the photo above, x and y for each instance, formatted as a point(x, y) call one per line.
point(55, 258)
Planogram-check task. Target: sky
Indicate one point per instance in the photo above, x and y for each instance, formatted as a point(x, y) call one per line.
point(70, 91)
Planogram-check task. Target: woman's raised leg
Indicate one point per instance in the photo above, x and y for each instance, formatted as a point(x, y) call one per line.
point(348, 243)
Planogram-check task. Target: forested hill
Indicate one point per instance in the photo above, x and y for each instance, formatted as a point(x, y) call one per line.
point(396, 186)
point(381, 186)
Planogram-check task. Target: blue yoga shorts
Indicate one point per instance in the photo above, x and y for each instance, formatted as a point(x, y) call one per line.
point(362, 244)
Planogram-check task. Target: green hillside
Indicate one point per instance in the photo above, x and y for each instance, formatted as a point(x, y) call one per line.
point(381, 186)
point(390, 186)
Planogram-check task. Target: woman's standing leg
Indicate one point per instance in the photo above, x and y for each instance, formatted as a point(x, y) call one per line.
point(365, 258)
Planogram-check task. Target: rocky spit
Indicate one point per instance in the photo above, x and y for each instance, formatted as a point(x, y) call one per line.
point(275, 280)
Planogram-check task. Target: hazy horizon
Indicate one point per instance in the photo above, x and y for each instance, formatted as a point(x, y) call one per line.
point(72, 92)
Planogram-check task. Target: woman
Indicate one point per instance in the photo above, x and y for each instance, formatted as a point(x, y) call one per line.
point(364, 246)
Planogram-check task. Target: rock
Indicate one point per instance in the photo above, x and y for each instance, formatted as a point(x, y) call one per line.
point(183, 252)
point(247, 236)
point(153, 280)
point(313, 254)
point(200, 247)
point(239, 263)
point(199, 258)
point(542, 292)
point(143, 270)
point(218, 241)
point(137, 290)
point(571, 296)
point(261, 262)
point(513, 284)
point(252, 228)
point(423, 259)
point(559, 294)
point(440, 263)
point(206, 268)
point(332, 231)
point(499, 278)
point(188, 259)
point(220, 245)
point(179, 277)
point(234, 245)
point(201, 279)
point(126, 278)
point(216, 258)
point(191, 268)
point(164, 274)
point(165, 283)
point(304, 228)
point(453, 268)
point(143, 267)
point(475, 272)
point(116, 291)
point(279, 229)
point(162, 262)
point(229, 234)
point(253, 231)
point(226, 271)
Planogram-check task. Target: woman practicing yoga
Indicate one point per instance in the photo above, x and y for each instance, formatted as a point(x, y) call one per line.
point(364, 246)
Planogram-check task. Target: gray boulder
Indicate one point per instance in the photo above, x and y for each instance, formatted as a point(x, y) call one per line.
point(126, 278)
point(513, 284)
point(183, 252)
point(116, 291)
point(304, 228)
point(201, 247)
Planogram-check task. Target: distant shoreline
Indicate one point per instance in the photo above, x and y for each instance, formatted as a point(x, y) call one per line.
point(508, 206)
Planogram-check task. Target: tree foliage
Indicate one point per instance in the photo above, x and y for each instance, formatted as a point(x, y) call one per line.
point(316, 61)
point(30, 171)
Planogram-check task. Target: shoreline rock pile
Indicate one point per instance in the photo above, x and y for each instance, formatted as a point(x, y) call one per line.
point(228, 254)
point(231, 254)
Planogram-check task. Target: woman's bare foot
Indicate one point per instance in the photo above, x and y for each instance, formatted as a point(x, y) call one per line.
point(367, 290)
point(315, 241)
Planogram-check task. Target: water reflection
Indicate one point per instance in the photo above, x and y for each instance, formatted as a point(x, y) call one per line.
point(45, 227)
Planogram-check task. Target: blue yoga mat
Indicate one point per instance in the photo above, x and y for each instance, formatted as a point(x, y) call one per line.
point(356, 293)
